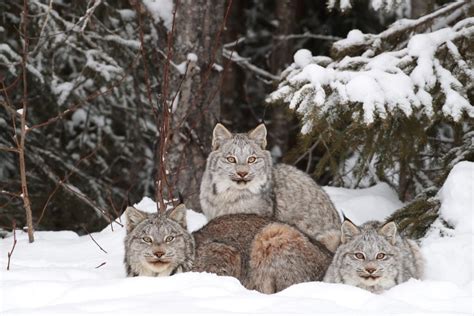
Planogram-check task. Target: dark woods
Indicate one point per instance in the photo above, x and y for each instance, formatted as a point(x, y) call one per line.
point(104, 102)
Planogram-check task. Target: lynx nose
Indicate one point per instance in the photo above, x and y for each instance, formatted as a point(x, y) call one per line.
point(158, 254)
point(242, 174)
point(370, 270)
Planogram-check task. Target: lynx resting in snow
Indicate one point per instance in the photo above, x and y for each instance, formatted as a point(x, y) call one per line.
point(264, 255)
point(240, 178)
point(374, 257)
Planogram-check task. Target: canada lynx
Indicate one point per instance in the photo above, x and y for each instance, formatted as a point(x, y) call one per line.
point(264, 255)
point(240, 178)
point(374, 257)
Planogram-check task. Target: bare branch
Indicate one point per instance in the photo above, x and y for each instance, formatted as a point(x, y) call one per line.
point(90, 235)
point(10, 253)
point(21, 147)
point(308, 35)
point(245, 63)
point(85, 19)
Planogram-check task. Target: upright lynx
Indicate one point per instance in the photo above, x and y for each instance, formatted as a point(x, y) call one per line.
point(374, 257)
point(240, 178)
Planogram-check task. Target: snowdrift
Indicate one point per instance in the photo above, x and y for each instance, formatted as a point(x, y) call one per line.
point(63, 273)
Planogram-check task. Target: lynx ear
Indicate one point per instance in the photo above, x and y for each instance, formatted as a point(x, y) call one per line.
point(389, 231)
point(259, 135)
point(134, 217)
point(219, 135)
point(348, 231)
point(178, 214)
point(330, 239)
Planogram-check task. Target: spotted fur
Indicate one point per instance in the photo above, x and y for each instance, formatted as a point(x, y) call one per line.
point(261, 253)
point(240, 178)
point(374, 257)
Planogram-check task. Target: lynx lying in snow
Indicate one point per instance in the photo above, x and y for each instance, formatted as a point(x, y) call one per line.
point(264, 255)
point(240, 178)
point(374, 257)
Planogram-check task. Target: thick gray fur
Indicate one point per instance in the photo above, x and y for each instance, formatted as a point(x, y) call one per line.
point(282, 191)
point(263, 254)
point(402, 260)
point(158, 257)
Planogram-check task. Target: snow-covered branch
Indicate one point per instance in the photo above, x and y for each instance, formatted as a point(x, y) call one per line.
point(413, 79)
point(396, 36)
point(245, 63)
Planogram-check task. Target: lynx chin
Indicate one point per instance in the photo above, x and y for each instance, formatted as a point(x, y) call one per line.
point(263, 254)
point(374, 257)
point(240, 178)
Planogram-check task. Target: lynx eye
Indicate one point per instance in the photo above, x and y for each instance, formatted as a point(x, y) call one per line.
point(359, 255)
point(169, 239)
point(147, 239)
point(380, 256)
point(251, 159)
point(231, 159)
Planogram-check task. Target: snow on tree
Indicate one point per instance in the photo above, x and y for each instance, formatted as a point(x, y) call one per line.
point(385, 5)
point(92, 130)
point(390, 107)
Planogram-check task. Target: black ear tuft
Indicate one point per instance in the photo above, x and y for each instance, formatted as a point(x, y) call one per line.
point(180, 198)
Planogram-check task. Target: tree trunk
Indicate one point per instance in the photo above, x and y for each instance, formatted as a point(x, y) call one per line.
point(233, 115)
point(198, 25)
point(421, 7)
point(282, 56)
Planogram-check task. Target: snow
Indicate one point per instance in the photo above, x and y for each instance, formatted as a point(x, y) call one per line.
point(79, 117)
point(302, 57)
point(63, 273)
point(127, 14)
point(62, 90)
point(354, 37)
point(453, 252)
point(161, 10)
point(457, 197)
point(377, 5)
point(374, 203)
point(192, 57)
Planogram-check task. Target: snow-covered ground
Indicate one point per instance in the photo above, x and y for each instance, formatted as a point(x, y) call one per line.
point(62, 273)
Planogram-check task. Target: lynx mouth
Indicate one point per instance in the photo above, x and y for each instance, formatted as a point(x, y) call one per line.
point(241, 181)
point(370, 277)
point(158, 262)
point(158, 266)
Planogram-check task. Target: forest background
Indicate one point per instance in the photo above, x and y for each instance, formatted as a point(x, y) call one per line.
point(104, 102)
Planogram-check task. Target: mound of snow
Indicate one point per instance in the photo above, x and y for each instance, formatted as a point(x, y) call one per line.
point(457, 197)
point(374, 203)
point(450, 256)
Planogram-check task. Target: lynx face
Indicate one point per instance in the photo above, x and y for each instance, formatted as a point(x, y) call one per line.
point(155, 244)
point(240, 161)
point(370, 258)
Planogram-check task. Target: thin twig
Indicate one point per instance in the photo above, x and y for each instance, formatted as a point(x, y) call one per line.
point(21, 146)
point(63, 180)
point(90, 235)
point(100, 265)
point(85, 19)
point(308, 35)
point(10, 253)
